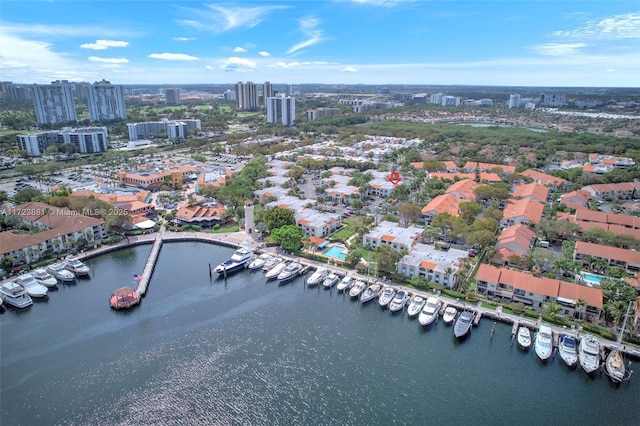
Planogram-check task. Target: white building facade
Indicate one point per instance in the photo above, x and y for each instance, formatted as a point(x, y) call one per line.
point(54, 102)
point(106, 101)
point(281, 109)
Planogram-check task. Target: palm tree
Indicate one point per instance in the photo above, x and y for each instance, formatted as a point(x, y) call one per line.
point(580, 304)
point(553, 308)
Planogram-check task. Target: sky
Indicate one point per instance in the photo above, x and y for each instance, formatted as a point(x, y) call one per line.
point(544, 43)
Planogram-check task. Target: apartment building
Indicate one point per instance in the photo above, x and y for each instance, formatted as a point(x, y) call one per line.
point(105, 101)
point(282, 110)
point(247, 96)
point(433, 264)
point(54, 102)
point(394, 236)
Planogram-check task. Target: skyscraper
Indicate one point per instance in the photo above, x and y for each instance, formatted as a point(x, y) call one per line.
point(172, 96)
point(106, 101)
point(54, 102)
point(514, 101)
point(281, 109)
point(247, 96)
point(267, 91)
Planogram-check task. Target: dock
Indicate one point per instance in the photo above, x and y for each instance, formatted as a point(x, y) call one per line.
point(151, 263)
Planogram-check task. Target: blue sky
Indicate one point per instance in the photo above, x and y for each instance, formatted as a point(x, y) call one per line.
point(512, 43)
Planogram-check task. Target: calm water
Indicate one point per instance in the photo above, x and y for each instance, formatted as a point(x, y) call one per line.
point(201, 352)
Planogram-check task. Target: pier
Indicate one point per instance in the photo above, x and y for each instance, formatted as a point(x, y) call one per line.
point(151, 263)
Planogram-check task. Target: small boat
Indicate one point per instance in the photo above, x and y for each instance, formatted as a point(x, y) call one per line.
point(60, 272)
point(317, 277)
point(449, 315)
point(259, 262)
point(589, 353)
point(357, 289)
point(330, 280)
point(543, 345)
point(387, 296)
point(291, 271)
point(270, 263)
point(568, 349)
point(275, 271)
point(415, 306)
point(524, 337)
point(345, 283)
point(124, 298)
point(371, 292)
point(43, 277)
point(15, 295)
point(463, 324)
point(31, 286)
point(399, 301)
point(614, 365)
point(238, 261)
point(430, 311)
point(76, 266)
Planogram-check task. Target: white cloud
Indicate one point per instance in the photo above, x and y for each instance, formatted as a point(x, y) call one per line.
point(384, 3)
point(109, 60)
point(349, 69)
point(559, 49)
point(610, 70)
point(264, 53)
point(293, 64)
point(173, 56)
point(13, 64)
point(184, 38)
point(234, 63)
point(62, 31)
point(239, 49)
point(616, 27)
point(210, 67)
point(219, 19)
point(309, 27)
point(104, 44)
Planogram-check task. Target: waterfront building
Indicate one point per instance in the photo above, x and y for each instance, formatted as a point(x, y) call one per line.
point(249, 220)
point(247, 96)
point(433, 264)
point(54, 102)
point(281, 109)
point(393, 235)
point(312, 222)
point(614, 256)
point(105, 101)
point(61, 229)
point(205, 215)
point(172, 96)
point(135, 202)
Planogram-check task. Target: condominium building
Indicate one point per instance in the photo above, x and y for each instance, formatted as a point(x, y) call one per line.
point(86, 140)
point(267, 91)
point(247, 96)
point(54, 102)
point(281, 109)
point(36, 143)
point(106, 101)
point(172, 96)
point(314, 114)
point(162, 129)
point(514, 101)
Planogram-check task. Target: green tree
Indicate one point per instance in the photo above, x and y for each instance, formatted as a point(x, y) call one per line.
point(353, 258)
point(288, 236)
point(27, 194)
point(387, 259)
point(409, 213)
point(553, 309)
point(278, 217)
point(469, 210)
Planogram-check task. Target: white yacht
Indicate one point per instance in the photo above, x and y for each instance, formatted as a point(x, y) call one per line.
point(568, 350)
point(270, 263)
point(292, 270)
point(589, 353)
point(543, 344)
point(524, 337)
point(449, 315)
point(58, 270)
point(357, 289)
point(239, 259)
point(15, 295)
point(399, 301)
point(43, 277)
point(76, 266)
point(415, 306)
point(275, 271)
point(430, 311)
point(345, 283)
point(317, 277)
point(371, 292)
point(31, 286)
point(259, 261)
point(330, 280)
point(387, 296)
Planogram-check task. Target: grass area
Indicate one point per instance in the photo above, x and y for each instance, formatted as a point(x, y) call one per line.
point(222, 230)
point(349, 229)
point(9, 132)
point(246, 114)
point(224, 108)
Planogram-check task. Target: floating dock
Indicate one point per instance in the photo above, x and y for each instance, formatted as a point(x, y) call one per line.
point(151, 263)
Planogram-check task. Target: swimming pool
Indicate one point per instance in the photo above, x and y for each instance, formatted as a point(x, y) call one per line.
point(592, 278)
point(335, 252)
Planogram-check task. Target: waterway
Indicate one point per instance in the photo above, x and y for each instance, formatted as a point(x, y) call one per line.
point(201, 351)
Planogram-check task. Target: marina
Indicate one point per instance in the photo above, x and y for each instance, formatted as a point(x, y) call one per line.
point(194, 332)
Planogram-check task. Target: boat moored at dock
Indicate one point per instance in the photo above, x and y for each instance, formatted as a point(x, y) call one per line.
point(430, 311)
point(76, 266)
point(31, 286)
point(291, 271)
point(239, 260)
point(15, 295)
point(358, 288)
point(589, 353)
point(345, 283)
point(524, 338)
point(449, 315)
point(330, 280)
point(259, 262)
point(387, 296)
point(275, 271)
point(415, 306)
point(568, 349)
point(399, 301)
point(371, 292)
point(543, 345)
point(463, 324)
point(317, 276)
point(45, 278)
point(60, 272)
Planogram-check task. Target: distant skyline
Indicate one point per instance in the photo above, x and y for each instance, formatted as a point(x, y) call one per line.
point(474, 42)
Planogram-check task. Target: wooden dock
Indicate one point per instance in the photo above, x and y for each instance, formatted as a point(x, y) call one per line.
point(151, 264)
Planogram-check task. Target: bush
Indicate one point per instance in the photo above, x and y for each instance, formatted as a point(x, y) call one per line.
point(112, 239)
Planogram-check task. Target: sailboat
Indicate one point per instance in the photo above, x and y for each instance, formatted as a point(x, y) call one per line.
point(614, 363)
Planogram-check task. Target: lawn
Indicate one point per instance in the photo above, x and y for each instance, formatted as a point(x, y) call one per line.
point(222, 230)
point(349, 229)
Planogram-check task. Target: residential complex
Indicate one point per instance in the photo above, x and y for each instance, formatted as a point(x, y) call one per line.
point(84, 139)
point(54, 103)
point(105, 101)
point(172, 96)
point(247, 96)
point(281, 109)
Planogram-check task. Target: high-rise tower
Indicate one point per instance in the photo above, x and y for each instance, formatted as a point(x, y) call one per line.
point(54, 102)
point(106, 101)
point(247, 96)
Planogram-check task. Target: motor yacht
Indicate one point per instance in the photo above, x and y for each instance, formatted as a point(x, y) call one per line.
point(387, 296)
point(258, 262)
point(568, 349)
point(543, 345)
point(330, 280)
point(415, 306)
point(357, 289)
point(15, 295)
point(449, 315)
point(74, 265)
point(43, 277)
point(399, 301)
point(430, 311)
point(589, 353)
point(270, 263)
point(345, 283)
point(317, 277)
point(463, 324)
point(371, 292)
point(292, 270)
point(240, 258)
point(60, 272)
point(31, 286)
point(524, 337)
point(275, 271)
